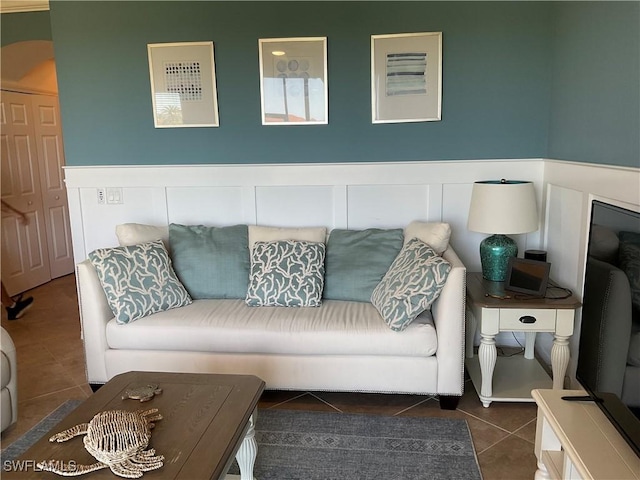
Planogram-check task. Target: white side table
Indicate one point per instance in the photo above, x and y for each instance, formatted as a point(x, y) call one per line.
point(511, 379)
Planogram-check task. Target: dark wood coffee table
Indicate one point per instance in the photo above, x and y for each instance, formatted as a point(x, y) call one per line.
point(208, 419)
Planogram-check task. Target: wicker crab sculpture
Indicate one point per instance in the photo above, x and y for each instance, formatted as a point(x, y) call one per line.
point(117, 439)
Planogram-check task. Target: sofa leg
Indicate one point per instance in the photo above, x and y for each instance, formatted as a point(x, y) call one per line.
point(449, 402)
point(95, 386)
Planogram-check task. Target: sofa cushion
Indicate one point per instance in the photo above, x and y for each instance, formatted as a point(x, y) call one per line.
point(357, 260)
point(211, 262)
point(135, 233)
point(412, 284)
point(434, 234)
point(259, 233)
point(334, 328)
point(138, 280)
point(287, 273)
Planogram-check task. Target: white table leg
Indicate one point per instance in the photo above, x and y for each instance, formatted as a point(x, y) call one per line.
point(529, 345)
point(487, 355)
point(559, 360)
point(246, 456)
point(541, 473)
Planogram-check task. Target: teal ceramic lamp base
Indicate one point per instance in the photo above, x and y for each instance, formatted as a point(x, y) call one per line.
point(495, 252)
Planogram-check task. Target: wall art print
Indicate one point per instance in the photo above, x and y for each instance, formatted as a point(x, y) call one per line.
point(183, 84)
point(293, 81)
point(406, 77)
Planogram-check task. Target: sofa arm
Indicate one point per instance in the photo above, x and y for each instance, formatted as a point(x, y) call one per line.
point(95, 313)
point(448, 316)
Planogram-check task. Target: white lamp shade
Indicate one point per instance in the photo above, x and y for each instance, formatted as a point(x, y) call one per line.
point(503, 207)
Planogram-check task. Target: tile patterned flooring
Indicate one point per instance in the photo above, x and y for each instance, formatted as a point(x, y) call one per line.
point(51, 370)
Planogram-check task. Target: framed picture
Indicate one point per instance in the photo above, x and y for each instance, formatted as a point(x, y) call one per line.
point(183, 84)
point(406, 77)
point(293, 81)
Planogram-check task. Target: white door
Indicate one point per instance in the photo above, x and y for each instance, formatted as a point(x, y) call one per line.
point(25, 256)
point(48, 133)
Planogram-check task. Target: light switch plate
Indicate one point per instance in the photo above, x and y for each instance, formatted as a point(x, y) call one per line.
point(114, 196)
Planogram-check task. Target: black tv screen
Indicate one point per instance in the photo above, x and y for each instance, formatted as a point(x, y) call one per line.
point(609, 349)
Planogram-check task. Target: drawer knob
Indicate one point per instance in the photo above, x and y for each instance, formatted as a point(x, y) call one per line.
point(528, 319)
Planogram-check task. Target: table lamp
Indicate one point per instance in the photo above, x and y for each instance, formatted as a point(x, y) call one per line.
point(501, 207)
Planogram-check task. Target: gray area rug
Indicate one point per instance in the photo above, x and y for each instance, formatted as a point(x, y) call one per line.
point(296, 445)
point(325, 446)
point(22, 444)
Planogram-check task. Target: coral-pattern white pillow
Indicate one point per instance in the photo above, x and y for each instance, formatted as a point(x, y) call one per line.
point(412, 283)
point(138, 280)
point(286, 274)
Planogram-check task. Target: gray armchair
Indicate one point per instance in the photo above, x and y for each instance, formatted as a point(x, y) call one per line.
point(610, 354)
point(8, 379)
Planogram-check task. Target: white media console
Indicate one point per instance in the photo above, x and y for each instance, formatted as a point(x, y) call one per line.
point(575, 440)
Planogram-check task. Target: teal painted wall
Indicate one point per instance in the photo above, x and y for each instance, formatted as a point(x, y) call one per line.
point(19, 27)
point(496, 81)
point(595, 114)
point(561, 85)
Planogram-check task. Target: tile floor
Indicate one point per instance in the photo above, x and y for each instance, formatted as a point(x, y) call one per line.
point(51, 370)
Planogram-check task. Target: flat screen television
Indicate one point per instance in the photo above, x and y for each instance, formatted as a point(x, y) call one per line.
point(610, 306)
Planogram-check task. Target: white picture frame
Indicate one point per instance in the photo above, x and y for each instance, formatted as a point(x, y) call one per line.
point(293, 81)
point(406, 77)
point(183, 84)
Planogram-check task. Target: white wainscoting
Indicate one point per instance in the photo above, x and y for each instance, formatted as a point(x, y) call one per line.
point(355, 196)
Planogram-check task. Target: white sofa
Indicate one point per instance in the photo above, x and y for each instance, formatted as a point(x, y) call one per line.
point(339, 346)
point(9, 380)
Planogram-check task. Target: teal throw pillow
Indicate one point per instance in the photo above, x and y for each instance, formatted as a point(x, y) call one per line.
point(211, 262)
point(138, 280)
point(629, 237)
point(286, 273)
point(411, 285)
point(357, 260)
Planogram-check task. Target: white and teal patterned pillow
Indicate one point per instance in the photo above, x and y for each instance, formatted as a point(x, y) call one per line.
point(412, 283)
point(286, 273)
point(138, 280)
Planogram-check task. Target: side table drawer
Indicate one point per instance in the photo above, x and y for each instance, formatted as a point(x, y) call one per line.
point(545, 319)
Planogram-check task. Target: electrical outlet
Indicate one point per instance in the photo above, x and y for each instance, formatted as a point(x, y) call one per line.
point(101, 195)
